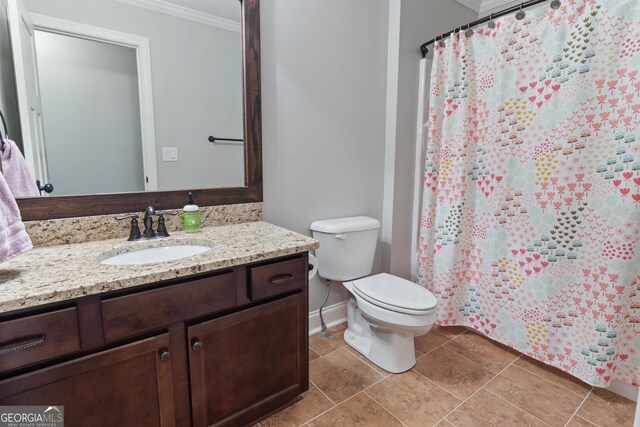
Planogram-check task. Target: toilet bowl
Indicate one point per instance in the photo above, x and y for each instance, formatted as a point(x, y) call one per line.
point(384, 314)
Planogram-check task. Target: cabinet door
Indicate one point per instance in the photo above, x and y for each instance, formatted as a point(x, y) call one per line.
point(129, 385)
point(247, 364)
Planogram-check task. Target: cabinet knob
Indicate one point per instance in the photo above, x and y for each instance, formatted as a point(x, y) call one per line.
point(165, 355)
point(196, 345)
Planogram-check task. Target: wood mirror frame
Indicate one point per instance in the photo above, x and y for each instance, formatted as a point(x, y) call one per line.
point(38, 208)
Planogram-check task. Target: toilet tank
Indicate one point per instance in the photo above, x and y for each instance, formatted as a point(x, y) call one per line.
point(347, 246)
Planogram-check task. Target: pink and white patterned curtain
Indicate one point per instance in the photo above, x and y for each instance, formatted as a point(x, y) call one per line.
point(530, 229)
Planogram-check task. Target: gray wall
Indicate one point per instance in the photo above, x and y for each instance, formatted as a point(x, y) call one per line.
point(8, 103)
point(197, 86)
point(420, 20)
point(323, 94)
point(95, 86)
point(325, 115)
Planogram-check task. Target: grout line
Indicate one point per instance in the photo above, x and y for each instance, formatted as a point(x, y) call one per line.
point(438, 385)
point(368, 366)
point(441, 345)
point(522, 356)
point(551, 381)
point(331, 409)
point(323, 393)
point(516, 406)
point(575, 413)
point(474, 393)
point(335, 405)
point(331, 352)
point(591, 423)
point(384, 407)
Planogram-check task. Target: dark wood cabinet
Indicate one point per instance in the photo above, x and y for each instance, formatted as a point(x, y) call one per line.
point(247, 361)
point(223, 348)
point(130, 385)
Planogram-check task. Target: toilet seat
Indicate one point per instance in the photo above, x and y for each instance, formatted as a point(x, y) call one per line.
point(395, 294)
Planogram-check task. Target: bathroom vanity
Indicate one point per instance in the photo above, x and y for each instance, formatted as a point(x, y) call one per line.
point(220, 338)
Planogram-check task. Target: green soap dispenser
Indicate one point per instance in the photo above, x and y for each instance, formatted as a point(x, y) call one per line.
point(191, 214)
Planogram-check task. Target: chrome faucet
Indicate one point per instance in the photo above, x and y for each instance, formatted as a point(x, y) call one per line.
point(148, 233)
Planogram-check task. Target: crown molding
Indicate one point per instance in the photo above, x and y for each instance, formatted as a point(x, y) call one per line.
point(482, 6)
point(488, 5)
point(185, 13)
point(474, 5)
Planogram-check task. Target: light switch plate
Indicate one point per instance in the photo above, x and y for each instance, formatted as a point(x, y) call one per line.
point(169, 154)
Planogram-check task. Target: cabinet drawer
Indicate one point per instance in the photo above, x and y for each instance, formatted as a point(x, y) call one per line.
point(37, 338)
point(146, 311)
point(277, 278)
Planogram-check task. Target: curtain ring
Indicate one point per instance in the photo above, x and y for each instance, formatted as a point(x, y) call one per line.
point(555, 4)
point(521, 14)
point(469, 32)
point(492, 23)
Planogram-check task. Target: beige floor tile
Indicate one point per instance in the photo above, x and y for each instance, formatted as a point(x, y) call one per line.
point(429, 342)
point(325, 345)
point(544, 399)
point(554, 375)
point(608, 409)
point(313, 403)
point(313, 355)
point(360, 410)
point(484, 351)
point(486, 409)
point(444, 423)
point(373, 366)
point(577, 421)
point(455, 373)
point(341, 375)
point(413, 399)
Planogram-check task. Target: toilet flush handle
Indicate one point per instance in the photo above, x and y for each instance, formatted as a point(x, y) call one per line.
point(341, 236)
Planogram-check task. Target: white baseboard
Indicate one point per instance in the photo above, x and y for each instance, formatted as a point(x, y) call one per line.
point(624, 390)
point(333, 315)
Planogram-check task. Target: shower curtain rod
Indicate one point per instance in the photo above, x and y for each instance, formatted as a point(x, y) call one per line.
point(424, 49)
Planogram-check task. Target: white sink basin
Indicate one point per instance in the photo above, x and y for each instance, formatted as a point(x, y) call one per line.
point(158, 254)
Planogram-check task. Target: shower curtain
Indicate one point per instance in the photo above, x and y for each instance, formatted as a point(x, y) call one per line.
point(530, 228)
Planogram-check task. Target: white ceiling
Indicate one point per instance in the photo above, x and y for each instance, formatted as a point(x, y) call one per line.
point(482, 6)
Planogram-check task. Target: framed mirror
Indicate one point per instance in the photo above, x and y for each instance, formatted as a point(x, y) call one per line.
point(218, 172)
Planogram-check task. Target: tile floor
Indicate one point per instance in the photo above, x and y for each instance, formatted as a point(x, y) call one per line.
point(460, 379)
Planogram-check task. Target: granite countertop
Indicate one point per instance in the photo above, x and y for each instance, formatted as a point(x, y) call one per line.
point(57, 273)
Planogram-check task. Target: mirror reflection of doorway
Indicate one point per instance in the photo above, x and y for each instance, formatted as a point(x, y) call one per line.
point(93, 85)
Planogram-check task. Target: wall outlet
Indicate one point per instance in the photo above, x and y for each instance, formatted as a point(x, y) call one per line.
point(169, 154)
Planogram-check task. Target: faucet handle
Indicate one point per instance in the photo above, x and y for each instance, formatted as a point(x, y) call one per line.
point(134, 234)
point(126, 216)
point(162, 228)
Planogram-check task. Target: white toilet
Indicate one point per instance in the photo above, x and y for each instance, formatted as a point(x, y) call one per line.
point(385, 312)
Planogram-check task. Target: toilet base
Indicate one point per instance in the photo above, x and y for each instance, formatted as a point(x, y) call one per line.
point(391, 351)
point(388, 346)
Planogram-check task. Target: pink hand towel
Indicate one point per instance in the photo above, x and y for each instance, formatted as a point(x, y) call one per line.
point(16, 173)
point(14, 240)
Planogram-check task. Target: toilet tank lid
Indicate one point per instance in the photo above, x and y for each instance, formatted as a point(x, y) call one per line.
point(345, 225)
